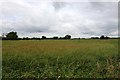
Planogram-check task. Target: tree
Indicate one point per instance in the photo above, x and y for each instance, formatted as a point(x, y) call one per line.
point(94, 37)
point(12, 36)
point(107, 37)
point(102, 37)
point(43, 37)
point(68, 37)
point(55, 37)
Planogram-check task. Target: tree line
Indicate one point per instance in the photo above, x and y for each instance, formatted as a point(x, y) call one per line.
point(14, 36)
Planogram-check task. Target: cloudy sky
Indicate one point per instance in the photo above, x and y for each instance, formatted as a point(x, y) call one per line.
point(33, 18)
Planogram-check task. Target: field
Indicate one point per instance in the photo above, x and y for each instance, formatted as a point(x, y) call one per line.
point(60, 59)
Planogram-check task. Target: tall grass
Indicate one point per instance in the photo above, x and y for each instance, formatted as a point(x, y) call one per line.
point(61, 59)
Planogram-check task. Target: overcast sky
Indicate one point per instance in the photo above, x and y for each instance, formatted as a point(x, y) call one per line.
point(33, 18)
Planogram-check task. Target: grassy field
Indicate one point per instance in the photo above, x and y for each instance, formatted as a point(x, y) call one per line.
point(60, 59)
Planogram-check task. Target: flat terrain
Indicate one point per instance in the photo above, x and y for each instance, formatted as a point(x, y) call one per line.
point(60, 59)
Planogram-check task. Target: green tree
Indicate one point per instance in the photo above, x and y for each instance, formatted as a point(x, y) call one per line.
point(43, 37)
point(55, 37)
point(68, 37)
point(12, 36)
point(102, 37)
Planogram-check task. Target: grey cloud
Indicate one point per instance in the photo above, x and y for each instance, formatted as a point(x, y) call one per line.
point(79, 19)
point(58, 5)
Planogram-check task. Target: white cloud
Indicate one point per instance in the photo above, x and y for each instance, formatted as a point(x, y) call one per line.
point(80, 19)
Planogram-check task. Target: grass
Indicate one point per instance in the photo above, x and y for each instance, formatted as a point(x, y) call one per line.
point(60, 59)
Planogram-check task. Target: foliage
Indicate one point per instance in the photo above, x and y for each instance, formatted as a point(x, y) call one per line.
point(43, 37)
point(12, 36)
point(103, 37)
point(67, 36)
point(55, 37)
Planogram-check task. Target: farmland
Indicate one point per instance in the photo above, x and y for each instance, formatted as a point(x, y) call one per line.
point(92, 58)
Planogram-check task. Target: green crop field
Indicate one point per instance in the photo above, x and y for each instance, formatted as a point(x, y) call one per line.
point(60, 59)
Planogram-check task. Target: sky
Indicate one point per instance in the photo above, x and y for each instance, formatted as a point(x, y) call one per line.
point(33, 18)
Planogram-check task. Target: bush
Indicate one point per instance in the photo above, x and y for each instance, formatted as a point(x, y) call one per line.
point(12, 36)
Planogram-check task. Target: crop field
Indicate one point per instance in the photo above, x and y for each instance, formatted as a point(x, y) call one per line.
point(60, 58)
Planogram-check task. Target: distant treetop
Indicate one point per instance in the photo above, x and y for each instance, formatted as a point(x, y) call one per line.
point(12, 36)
